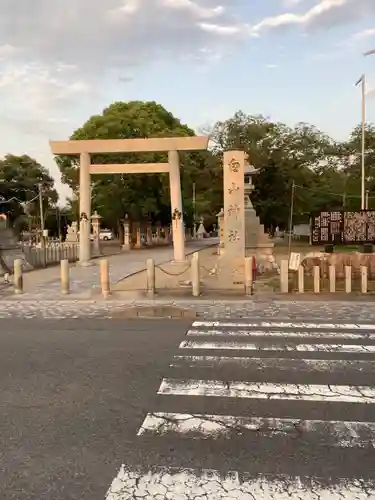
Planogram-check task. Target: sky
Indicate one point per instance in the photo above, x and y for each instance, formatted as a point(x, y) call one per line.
point(290, 60)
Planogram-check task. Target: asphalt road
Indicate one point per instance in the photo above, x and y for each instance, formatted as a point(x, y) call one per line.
point(232, 409)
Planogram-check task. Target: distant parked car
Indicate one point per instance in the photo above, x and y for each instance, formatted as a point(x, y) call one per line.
point(104, 235)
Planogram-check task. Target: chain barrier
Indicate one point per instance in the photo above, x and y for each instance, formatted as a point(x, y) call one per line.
point(173, 274)
point(210, 272)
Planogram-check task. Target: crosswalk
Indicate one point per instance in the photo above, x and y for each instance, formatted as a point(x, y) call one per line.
point(295, 381)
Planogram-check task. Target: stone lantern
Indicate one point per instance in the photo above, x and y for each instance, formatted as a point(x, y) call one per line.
point(95, 223)
point(126, 223)
point(220, 225)
point(250, 171)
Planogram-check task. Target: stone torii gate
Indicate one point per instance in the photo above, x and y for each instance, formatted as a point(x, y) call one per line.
point(85, 148)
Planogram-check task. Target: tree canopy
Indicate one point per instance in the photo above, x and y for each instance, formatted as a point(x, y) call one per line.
point(143, 196)
point(325, 172)
point(20, 177)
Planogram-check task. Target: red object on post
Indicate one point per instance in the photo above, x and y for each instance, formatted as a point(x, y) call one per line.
point(254, 267)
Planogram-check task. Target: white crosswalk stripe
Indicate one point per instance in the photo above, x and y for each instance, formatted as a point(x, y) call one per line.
point(228, 365)
point(186, 484)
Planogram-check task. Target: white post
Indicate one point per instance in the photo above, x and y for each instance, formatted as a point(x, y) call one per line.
point(149, 236)
point(138, 241)
point(301, 279)
point(64, 273)
point(248, 275)
point(364, 280)
point(348, 279)
point(18, 278)
point(332, 279)
point(316, 279)
point(284, 276)
point(158, 235)
point(195, 278)
point(126, 244)
point(84, 209)
point(150, 273)
point(176, 207)
point(104, 278)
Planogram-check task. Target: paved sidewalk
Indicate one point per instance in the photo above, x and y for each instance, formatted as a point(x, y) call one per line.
point(55, 308)
point(44, 284)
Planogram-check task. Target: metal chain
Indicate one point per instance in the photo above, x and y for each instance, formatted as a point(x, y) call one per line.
point(173, 274)
point(209, 271)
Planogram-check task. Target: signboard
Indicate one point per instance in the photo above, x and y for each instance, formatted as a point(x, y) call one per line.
point(339, 227)
point(294, 261)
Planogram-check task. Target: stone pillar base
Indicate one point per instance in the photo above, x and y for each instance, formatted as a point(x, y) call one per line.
point(126, 247)
point(85, 263)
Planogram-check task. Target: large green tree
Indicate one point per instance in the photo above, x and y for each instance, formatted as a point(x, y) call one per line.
point(143, 195)
point(353, 166)
point(20, 178)
point(284, 155)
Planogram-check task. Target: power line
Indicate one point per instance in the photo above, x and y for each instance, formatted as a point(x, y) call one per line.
point(27, 202)
point(330, 193)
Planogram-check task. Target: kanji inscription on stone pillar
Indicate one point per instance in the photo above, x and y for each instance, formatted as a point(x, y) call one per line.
point(234, 205)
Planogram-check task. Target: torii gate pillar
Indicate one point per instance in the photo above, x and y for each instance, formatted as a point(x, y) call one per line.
point(178, 229)
point(84, 210)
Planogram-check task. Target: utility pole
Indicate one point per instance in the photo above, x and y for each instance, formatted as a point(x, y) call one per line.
point(362, 80)
point(291, 219)
point(40, 187)
point(42, 239)
point(194, 214)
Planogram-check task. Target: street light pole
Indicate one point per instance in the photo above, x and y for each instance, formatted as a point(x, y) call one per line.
point(362, 80)
point(194, 214)
point(40, 188)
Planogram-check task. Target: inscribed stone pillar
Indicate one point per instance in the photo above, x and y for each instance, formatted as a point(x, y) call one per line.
point(138, 242)
point(149, 235)
point(95, 222)
point(176, 207)
point(126, 245)
point(234, 206)
point(158, 229)
point(84, 209)
point(220, 224)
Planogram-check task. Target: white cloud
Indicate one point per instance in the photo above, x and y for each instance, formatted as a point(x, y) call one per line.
point(61, 51)
point(364, 34)
point(292, 3)
point(39, 94)
point(194, 8)
point(324, 14)
point(53, 52)
point(221, 30)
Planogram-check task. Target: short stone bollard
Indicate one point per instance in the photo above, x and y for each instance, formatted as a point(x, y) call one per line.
point(364, 279)
point(104, 278)
point(348, 279)
point(316, 277)
point(18, 277)
point(150, 273)
point(332, 279)
point(248, 275)
point(301, 279)
point(284, 276)
point(64, 274)
point(195, 278)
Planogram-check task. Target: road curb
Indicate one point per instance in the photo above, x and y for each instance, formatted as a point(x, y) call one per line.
point(156, 312)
